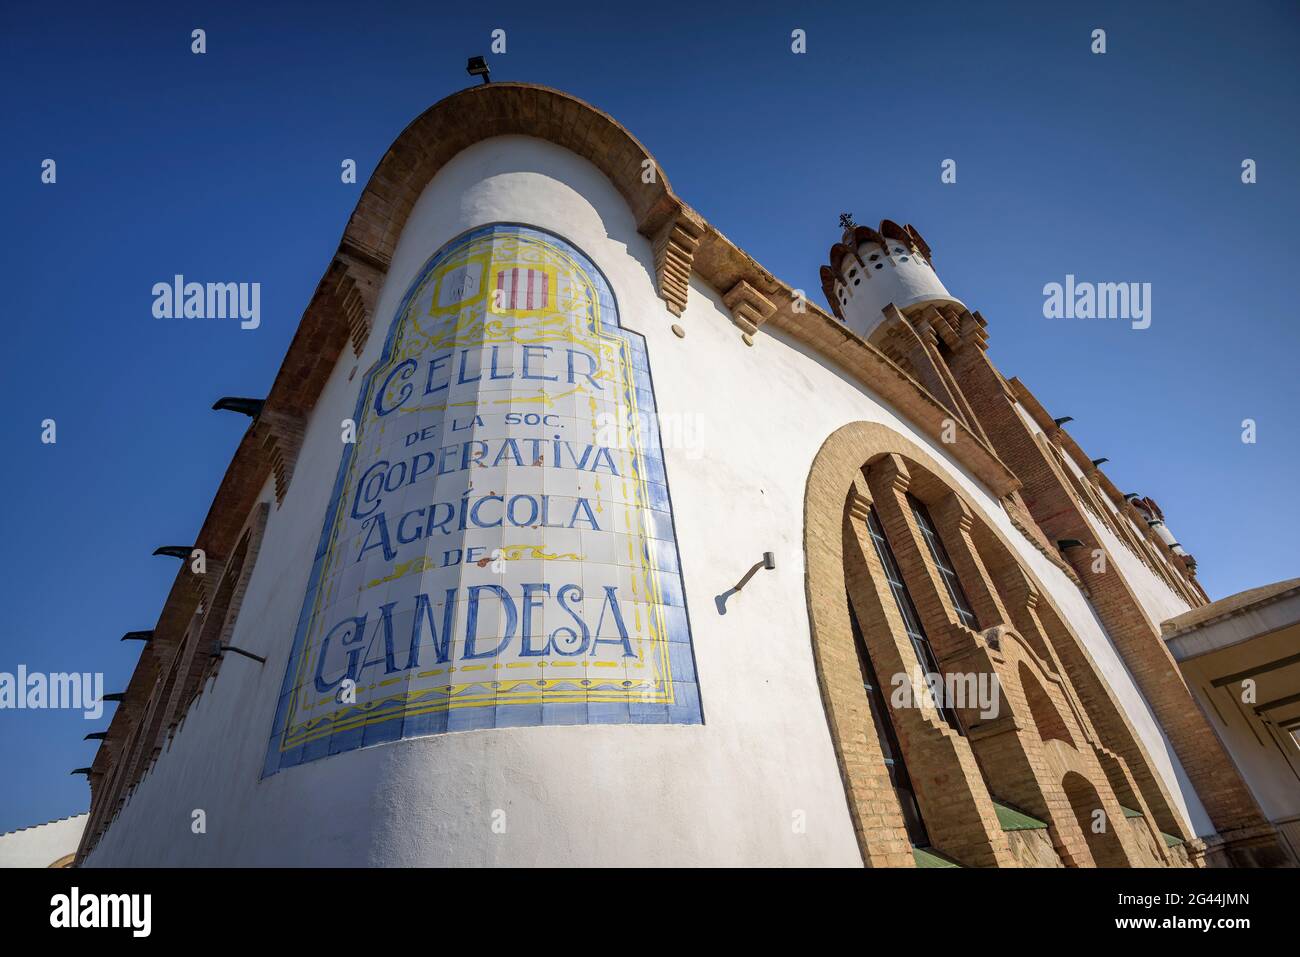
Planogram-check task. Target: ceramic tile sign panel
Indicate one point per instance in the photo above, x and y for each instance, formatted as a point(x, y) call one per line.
point(498, 549)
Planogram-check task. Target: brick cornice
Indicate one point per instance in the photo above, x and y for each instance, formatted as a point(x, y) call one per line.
point(749, 307)
point(674, 247)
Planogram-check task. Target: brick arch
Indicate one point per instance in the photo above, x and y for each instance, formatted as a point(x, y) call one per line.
point(1048, 721)
point(877, 820)
point(477, 113)
point(1099, 827)
point(828, 497)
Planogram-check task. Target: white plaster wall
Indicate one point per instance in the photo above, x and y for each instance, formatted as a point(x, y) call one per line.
point(725, 792)
point(42, 845)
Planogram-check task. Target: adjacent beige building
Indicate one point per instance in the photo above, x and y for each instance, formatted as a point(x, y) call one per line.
point(1240, 656)
point(43, 845)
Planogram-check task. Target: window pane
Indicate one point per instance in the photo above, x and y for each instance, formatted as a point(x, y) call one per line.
point(888, 739)
point(947, 572)
point(906, 610)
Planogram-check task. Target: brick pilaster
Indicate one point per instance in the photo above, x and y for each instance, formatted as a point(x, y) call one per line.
point(957, 809)
point(1053, 504)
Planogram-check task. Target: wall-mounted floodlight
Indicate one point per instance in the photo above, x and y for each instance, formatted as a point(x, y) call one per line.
point(233, 403)
point(1064, 419)
point(118, 696)
point(174, 551)
point(145, 636)
point(85, 771)
point(96, 736)
point(219, 649)
point(1099, 462)
point(477, 66)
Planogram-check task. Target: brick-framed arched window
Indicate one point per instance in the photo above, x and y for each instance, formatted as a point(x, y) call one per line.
point(934, 587)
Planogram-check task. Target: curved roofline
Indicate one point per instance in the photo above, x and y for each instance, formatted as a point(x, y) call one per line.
point(865, 234)
point(488, 110)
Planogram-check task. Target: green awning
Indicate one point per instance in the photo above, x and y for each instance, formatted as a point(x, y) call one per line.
point(1013, 820)
point(925, 857)
point(1170, 840)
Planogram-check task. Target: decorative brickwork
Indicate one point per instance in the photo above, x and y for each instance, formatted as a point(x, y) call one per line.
point(958, 811)
point(674, 248)
point(1057, 509)
point(749, 308)
point(877, 819)
point(912, 349)
point(283, 433)
point(356, 294)
point(1042, 751)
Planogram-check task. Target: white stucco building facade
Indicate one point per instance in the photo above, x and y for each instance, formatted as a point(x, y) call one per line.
point(753, 770)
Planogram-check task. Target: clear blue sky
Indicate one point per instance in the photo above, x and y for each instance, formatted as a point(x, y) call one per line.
point(1122, 167)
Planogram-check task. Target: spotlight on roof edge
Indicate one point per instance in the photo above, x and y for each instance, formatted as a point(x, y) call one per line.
point(234, 403)
point(1064, 419)
point(1101, 461)
point(174, 551)
point(137, 635)
point(477, 66)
